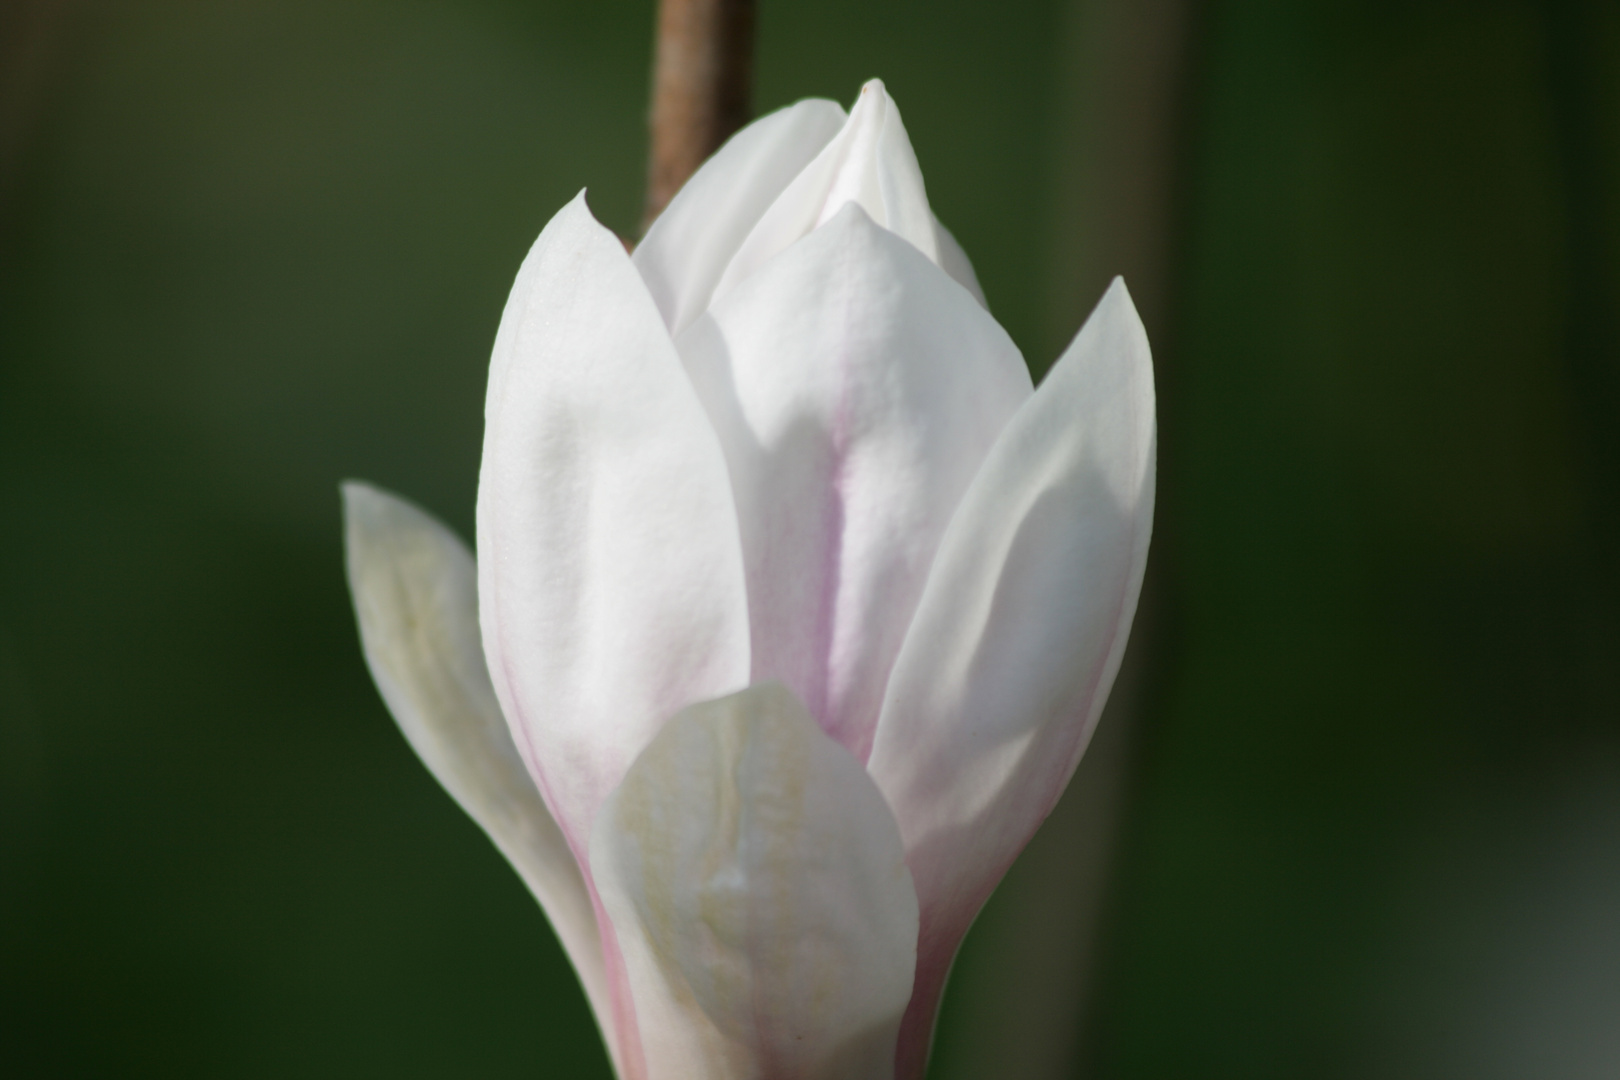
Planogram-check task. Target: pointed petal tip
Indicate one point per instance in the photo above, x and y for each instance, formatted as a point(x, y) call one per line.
point(1117, 302)
point(1113, 337)
point(579, 213)
point(852, 217)
point(1118, 295)
point(371, 513)
point(352, 489)
point(364, 505)
point(576, 214)
point(874, 98)
point(360, 495)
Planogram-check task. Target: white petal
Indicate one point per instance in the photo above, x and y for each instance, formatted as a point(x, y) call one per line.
point(609, 569)
point(955, 262)
point(416, 595)
point(758, 887)
point(687, 249)
point(856, 389)
point(870, 162)
point(1018, 635)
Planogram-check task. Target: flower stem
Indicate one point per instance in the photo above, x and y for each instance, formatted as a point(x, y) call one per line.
point(703, 77)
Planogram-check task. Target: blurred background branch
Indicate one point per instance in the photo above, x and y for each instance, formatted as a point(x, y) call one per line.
point(30, 32)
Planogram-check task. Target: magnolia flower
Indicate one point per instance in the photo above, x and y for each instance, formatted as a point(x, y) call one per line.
point(795, 603)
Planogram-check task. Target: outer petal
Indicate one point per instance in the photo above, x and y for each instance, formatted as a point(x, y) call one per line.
point(869, 162)
point(955, 262)
point(416, 595)
point(855, 388)
point(1018, 636)
point(688, 247)
point(610, 574)
point(757, 883)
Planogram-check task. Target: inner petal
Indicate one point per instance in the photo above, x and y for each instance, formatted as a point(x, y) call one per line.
point(869, 162)
point(855, 388)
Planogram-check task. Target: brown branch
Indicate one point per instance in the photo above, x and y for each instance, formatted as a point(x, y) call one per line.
point(702, 81)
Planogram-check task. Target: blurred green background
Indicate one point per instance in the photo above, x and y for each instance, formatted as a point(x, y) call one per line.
point(1356, 809)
